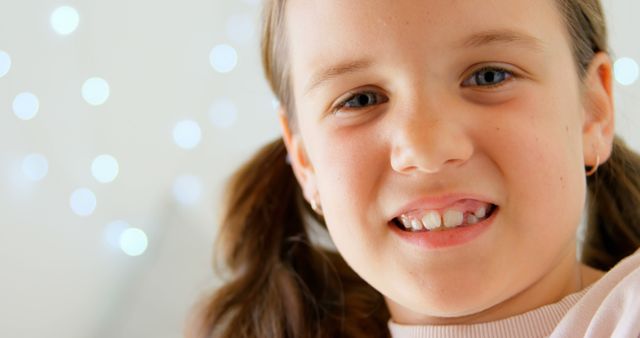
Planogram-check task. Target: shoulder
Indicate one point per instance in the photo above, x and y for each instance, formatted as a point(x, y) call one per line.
point(610, 307)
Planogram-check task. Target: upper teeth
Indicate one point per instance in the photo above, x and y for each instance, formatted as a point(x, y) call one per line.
point(453, 218)
point(415, 224)
point(432, 219)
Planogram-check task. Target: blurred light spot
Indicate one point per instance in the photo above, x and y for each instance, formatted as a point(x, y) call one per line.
point(187, 189)
point(223, 113)
point(113, 231)
point(35, 167)
point(223, 58)
point(187, 134)
point(240, 28)
point(16, 185)
point(64, 20)
point(105, 168)
point(133, 242)
point(5, 63)
point(275, 104)
point(626, 71)
point(83, 202)
point(95, 91)
point(25, 106)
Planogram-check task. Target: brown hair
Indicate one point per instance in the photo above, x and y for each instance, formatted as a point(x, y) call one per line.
point(283, 284)
point(613, 223)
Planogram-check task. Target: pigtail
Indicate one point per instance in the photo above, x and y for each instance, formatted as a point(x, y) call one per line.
point(281, 284)
point(613, 223)
point(613, 226)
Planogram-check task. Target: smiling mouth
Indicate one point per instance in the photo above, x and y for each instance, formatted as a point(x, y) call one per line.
point(431, 221)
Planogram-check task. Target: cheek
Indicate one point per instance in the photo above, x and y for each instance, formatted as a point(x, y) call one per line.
point(537, 148)
point(538, 134)
point(348, 166)
point(349, 177)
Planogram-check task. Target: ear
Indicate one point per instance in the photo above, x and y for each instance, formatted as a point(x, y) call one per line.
point(598, 128)
point(302, 167)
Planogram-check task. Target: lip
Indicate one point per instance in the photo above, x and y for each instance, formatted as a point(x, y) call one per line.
point(432, 240)
point(438, 202)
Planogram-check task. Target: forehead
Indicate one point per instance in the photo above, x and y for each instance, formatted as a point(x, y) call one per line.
point(322, 33)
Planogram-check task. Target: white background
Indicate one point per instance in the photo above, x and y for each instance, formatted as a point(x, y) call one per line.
point(59, 274)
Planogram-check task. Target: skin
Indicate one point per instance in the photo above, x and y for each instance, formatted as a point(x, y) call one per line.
point(428, 131)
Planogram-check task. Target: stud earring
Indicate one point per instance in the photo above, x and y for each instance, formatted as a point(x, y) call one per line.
point(315, 205)
point(595, 167)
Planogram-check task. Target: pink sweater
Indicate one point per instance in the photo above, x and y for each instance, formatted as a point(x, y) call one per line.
point(609, 307)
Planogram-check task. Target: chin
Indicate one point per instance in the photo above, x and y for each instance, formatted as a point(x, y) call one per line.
point(432, 304)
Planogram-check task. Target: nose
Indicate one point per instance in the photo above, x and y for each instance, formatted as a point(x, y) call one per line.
point(428, 141)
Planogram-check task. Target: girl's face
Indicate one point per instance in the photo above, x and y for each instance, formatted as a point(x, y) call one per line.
point(452, 105)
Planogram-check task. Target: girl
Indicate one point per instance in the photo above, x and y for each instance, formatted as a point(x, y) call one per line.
point(443, 145)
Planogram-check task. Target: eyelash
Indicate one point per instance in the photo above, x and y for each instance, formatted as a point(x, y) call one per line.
point(509, 76)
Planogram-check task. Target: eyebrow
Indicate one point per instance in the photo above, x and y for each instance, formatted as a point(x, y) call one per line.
point(482, 39)
point(503, 36)
point(337, 70)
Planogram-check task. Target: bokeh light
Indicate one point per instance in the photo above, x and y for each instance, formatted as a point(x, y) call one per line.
point(95, 91)
point(223, 58)
point(5, 63)
point(113, 231)
point(26, 106)
point(223, 113)
point(626, 71)
point(35, 167)
point(65, 20)
point(133, 241)
point(105, 168)
point(187, 190)
point(83, 202)
point(187, 134)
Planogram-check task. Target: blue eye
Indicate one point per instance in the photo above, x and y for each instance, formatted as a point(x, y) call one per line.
point(360, 100)
point(489, 77)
